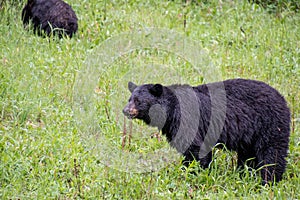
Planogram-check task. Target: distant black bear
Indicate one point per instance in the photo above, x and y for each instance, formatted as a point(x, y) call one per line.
point(248, 116)
point(50, 16)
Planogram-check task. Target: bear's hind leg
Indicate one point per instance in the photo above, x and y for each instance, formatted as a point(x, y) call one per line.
point(272, 163)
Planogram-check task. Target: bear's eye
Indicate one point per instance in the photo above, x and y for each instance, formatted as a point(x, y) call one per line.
point(136, 101)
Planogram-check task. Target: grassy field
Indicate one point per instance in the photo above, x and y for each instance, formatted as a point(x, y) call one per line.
point(47, 147)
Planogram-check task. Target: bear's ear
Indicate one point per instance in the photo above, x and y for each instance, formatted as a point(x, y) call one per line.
point(156, 90)
point(131, 86)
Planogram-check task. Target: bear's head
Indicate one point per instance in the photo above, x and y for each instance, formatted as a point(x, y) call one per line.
point(146, 103)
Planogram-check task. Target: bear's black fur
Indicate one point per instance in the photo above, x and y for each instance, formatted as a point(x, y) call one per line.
point(251, 117)
point(51, 17)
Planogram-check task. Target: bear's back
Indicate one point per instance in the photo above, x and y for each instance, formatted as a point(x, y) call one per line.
point(249, 92)
point(251, 106)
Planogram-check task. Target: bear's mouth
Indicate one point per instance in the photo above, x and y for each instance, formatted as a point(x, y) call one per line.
point(130, 115)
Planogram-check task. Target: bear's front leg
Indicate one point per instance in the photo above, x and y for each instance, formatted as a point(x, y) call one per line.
point(205, 161)
point(193, 154)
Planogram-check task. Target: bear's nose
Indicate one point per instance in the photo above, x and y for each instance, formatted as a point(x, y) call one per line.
point(126, 111)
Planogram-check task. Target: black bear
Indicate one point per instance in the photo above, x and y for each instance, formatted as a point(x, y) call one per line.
point(247, 116)
point(51, 17)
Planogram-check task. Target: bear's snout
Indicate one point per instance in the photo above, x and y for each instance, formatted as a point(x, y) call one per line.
point(130, 111)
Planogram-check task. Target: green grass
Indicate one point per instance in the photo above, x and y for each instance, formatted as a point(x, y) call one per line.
point(46, 154)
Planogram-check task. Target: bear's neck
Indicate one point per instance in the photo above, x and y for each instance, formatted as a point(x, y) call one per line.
point(172, 121)
point(200, 115)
